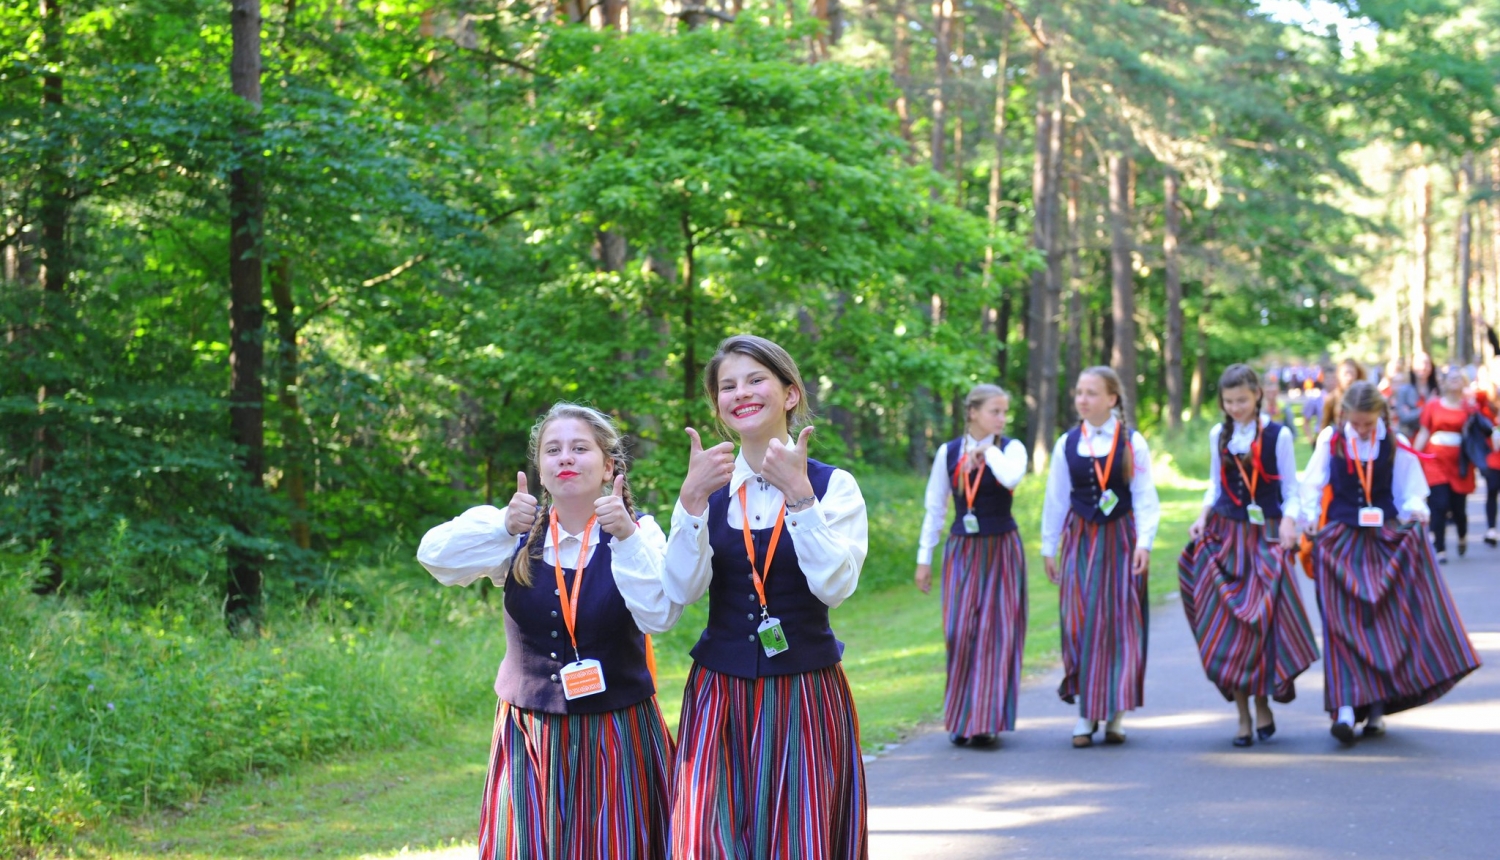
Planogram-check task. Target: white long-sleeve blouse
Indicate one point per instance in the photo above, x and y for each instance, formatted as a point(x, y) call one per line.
point(1408, 484)
point(1095, 443)
point(1241, 441)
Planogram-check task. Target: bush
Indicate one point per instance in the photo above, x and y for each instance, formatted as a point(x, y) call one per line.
point(111, 708)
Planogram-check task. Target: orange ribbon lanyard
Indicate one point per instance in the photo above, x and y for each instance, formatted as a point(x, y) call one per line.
point(1366, 476)
point(1251, 480)
point(1109, 463)
point(570, 601)
point(755, 576)
point(961, 477)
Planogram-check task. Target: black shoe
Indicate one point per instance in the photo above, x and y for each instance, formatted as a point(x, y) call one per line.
point(985, 740)
point(1244, 741)
point(1264, 732)
point(1463, 546)
point(1442, 557)
point(1344, 732)
point(957, 739)
point(1492, 538)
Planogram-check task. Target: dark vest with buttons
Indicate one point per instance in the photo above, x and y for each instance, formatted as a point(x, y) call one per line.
point(1267, 490)
point(1086, 489)
point(729, 645)
point(1348, 492)
point(991, 499)
point(537, 643)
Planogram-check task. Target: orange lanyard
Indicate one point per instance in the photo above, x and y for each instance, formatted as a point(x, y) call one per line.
point(1109, 463)
point(1251, 480)
point(570, 602)
point(961, 477)
point(755, 576)
point(1366, 476)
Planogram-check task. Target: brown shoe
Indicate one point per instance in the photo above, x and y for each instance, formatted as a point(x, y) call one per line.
point(1114, 737)
point(1081, 741)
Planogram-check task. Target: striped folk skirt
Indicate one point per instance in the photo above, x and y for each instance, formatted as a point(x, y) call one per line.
point(1103, 618)
point(1390, 630)
point(1240, 595)
point(984, 628)
point(577, 786)
point(769, 768)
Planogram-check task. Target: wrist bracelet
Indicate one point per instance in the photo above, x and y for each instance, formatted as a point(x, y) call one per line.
point(791, 506)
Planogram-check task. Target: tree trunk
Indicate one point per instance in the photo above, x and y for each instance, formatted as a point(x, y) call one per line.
point(1463, 346)
point(1051, 335)
point(1172, 357)
point(689, 335)
point(956, 87)
point(246, 309)
point(293, 431)
point(1417, 294)
point(1122, 356)
point(56, 204)
point(901, 72)
point(942, 24)
point(992, 212)
point(1200, 363)
point(1073, 356)
point(1041, 240)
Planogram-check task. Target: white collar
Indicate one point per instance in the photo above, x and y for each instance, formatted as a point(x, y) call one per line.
point(564, 535)
point(743, 472)
point(972, 444)
point(1105, 429)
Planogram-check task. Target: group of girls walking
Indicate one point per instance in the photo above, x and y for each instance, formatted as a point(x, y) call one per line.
point(1393, 639)
point(767, 760)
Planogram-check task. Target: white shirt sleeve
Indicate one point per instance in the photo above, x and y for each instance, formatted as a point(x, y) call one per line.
point(687, 566)
point(935, 504)
point(1008, 465)
point(1308, 503)
point(471, 545)
point(1286, 468)
point(1143, 494)
point(1057, 501)
point(636, 563)
point(1211, 495)
point(1409, 484)
point(832, 539)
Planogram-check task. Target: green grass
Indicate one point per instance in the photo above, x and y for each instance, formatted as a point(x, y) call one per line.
point(420, 791)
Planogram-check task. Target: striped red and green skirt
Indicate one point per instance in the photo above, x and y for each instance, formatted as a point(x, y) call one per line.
point(1391, 633)
point(984, 628)
point(1103, 618)
point(577, 786)
point(769, 768)
point(1242, 604)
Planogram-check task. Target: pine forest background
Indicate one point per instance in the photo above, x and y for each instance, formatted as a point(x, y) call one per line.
point(283, 284)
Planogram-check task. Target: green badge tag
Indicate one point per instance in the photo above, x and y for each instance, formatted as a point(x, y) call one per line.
point(1108, 501)
point(771, 637)
point(1256, 513)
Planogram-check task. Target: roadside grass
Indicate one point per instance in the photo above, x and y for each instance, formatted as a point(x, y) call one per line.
point(423, 794)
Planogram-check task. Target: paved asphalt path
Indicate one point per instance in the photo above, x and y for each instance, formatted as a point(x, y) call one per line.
point(1178, 789)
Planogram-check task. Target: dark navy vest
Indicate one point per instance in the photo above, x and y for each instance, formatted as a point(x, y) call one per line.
point(729, 645)
point(1086, 489)
point(537, 643)
point(1348, 493)
point(991, 500)
point(1267, 491)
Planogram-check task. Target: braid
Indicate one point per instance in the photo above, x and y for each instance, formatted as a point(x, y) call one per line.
point(1125, 431)
point(520, 563)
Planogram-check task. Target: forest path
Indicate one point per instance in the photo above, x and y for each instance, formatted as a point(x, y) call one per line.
point(1178, 789)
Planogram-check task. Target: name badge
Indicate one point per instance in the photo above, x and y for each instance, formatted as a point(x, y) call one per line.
point(1108, 501)
point(771, 637)
point(581, 678)
point(1256, 513)
point(971, 524)
point(1371, 518)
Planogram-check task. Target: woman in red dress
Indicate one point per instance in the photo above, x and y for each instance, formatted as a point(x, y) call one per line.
point(1441, 437)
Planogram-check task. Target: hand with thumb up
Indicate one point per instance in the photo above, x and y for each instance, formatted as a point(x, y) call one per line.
point(614, 518)
point(522, 511)
point(708, 470)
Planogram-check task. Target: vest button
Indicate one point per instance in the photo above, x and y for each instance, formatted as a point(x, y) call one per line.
point(554, 679)
point(555, 593)
point(752, 597)
point(554, 655)
point(554, 613)
point(750, 616)
point(554, 634)
point(751, 637)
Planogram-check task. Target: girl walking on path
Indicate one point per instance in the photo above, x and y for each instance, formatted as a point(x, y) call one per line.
point(1392, 638)
point(1441, 437)
point(580, 765)
point(1235, 576)
point(1099, 519)
point(1487, 397)
point(984, 570)
point(768, 759)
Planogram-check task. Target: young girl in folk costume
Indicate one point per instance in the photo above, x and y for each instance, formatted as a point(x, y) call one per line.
point(1236, 574)
point(984, 570)
point(768, 759)
point(1098, 522)
point(1441, 438)
point(1392, 638)
point(580, 767)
